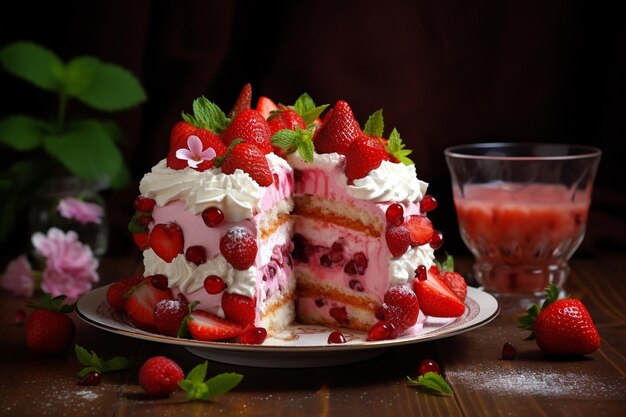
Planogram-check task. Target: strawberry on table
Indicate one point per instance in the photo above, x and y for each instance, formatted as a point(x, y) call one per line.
point(562, 327)
point(207, 326)
point(338, 130)
point(435, 298)
point(49, 329)
point(159, 376)
point(140, 303)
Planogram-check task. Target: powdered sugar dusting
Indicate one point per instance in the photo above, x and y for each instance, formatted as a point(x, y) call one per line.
point(542, 383)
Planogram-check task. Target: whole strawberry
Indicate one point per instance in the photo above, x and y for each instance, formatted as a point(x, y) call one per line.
point(285, 118)
point(159, 376)
point(243, 102)
point(251, 126)
point(48, 328)
point(338, 130)
point(250, 159)
point(363, 155)
point(563, 327)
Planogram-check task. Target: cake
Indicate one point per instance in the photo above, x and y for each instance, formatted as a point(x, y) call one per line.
point(273, 215)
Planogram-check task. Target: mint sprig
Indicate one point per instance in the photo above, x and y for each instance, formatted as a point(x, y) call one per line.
point(93, 363)
point(431, 382)
point(197, 388)
point(375, 124)
point(306, 108)
point(447, 265)
point(395, 147)
point(300, 140)
point(207, 115)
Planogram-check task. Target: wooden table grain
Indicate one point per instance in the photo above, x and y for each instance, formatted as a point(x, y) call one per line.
point(483, 384)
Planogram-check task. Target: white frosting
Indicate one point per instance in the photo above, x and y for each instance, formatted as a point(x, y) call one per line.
point(389, 182)
point(188, 277)
point(324, 161)
point(402, 269)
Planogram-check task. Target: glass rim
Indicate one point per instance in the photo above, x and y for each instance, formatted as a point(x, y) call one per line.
point(582, 151)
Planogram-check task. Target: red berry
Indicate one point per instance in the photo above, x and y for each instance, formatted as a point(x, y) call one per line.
point(508, 352)
point(285, 119)
point(239, 247)
point(214, 284)
point(159, 376)
point(243, 102)
point(144, 220)
point(360, 261)
point(350, 268)
point(456, 283)
point(20, 317)
point(436, 241)
point(364, 154)
point(421, 230)
point(239, 308)
point(395, 214)
point(429, 365)
point(382, 331)
point(159, 281)
point(252, 336)
point(212, 216)
point(168, 316)
point(338, 131)
point(336, 337)
point(421, 273)
point(91, 378)
point(400, 307)
point(398, 240)
point(251, 126)
point(428, 203)
point(142, 240)
point(356, 285)
point(144, 204)
point(116, 293)
point(196, 254)
point(266, 106)
point(48, 331)
point(167, 241)
point(340, 314)
point(251, 160)
point(141, 301)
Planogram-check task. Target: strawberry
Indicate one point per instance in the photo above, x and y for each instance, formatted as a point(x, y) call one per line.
point(252, 335)
point(251, 127)
point(117, 291)
point(286, 118)
point(248, 158)
point(144, 204)
point(159, 376)
point(140, 303)
point(434, 296)
point(456, 283)
point(398, 240)
point(208, 140)
point(178, 139)
point(239, 308)
point(207, 326)
point(169, 314)
point(48, 329)
point(420, 228)
point(243, 102)
point(400, 307)
point(141, 240)
point(563, 327)
point(338, 130)
point(363, 155)
point(266, 106)
point(167, 240)
point(239, 247)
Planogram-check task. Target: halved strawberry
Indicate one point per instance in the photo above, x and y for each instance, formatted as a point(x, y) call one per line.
point(142, 240)
point(117, 291)
point(207, 326)
point(167, 240)
point(140, 303)
point(420, 228)
point(456, 283)
point(398, 240)
point(251, 160)
point(338, 130)
point(239, 308)
point(243, 102)
point(266, 106)
point(435, 298)
point(250, 126)
point(363, 155)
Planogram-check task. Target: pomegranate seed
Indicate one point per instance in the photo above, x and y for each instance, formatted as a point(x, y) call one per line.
point(421, 273)
point(336, 247)
point(350, 268)
point(429, 365)
point(336, 337)
point(340, 314)
point(437, 240)
point(508, 352)
point(196, 254)
point(212, 216)
point(319, 302)
point(91, 378)
point(214, 284)
point(20, 317)
point(382, 331)
point(361, 262)
point(428, 203)
point(253, 336)
point(356, 285)
point(325, 261)
point(395, 214)
point(159, 281)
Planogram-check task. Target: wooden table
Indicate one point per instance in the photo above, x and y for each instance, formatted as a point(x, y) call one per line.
point(484, 385)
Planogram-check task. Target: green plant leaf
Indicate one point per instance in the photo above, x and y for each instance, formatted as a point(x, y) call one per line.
point(431, 382)
point(306, 108)
point(86, 150)
point(222, 383)
point(33, 63)
point(83, 356)
point(198, 373)
point(22, 133)
point(103, 86)
point(395, 147)
point(375, 124)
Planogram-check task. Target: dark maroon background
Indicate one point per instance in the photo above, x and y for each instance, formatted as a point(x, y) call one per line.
point(444, 72)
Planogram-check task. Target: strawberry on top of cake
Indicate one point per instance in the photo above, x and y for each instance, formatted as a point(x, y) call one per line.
point(273, 214)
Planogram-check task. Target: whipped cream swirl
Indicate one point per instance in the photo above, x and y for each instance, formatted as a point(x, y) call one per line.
point(402, 269)
point(389, 182)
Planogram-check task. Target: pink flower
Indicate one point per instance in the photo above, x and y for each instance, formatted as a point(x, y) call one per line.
point(70, 265)
point(194, 155)
point(19, 277)
point(81, 211)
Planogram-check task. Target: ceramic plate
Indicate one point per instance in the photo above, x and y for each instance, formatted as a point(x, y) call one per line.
point(298, 345)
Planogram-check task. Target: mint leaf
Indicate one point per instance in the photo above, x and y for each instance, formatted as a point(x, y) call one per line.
point(22, 133)
point(395, 147)
point(116, 364)
point(86, 150)
point(431, 382)
point(292, 140)
point(285, 138)
point(33, 63)
point(222, 383)
point(196, 388)
point(103, 86)
point(198, 373)
point(92, 362)
point(306, 108)
point(83, 356)
point(207, 115)
point(375, 124)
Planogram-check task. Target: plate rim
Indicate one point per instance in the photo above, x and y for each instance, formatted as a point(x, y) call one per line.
point(489, 309)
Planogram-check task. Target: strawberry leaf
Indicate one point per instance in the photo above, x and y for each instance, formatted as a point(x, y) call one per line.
point(53, 304)
point(92, 362)
point(306, 108)
point(431, 382)
point(207, 115)
point(395, 147)
point(196, 388)
point(553, 294)
point(375, 124)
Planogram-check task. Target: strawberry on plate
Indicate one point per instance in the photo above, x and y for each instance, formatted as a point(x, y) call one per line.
point(207, 326)
point(167, 240)
point(49, 329)
point(250, 126)
point(250, 159)
point(239, 308)
point(456, 283)
point(338, 130)
point(140, 303)
point(435, 298)
point(400, 307)
point(116, 293)
point(364, 154)
point(562, 327)
point(169, 315)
